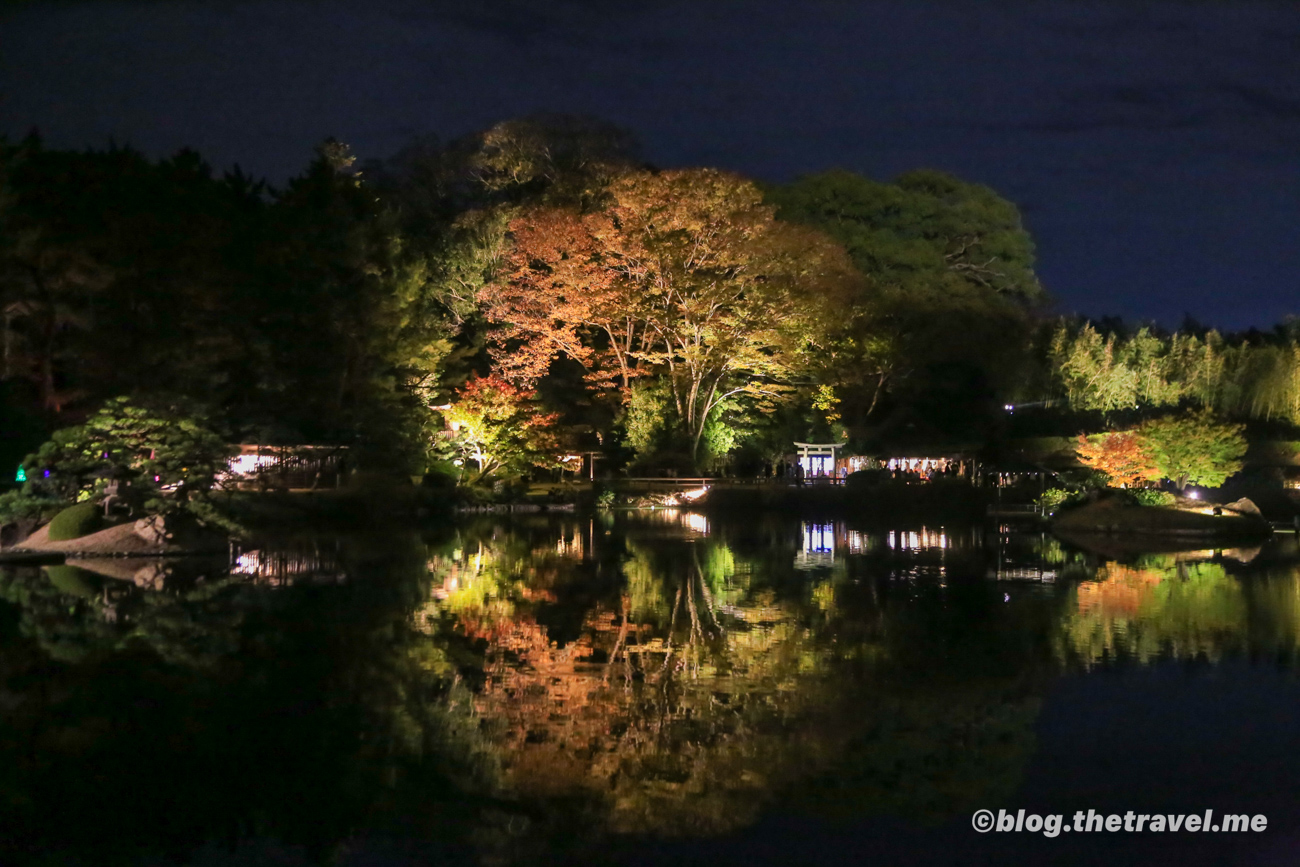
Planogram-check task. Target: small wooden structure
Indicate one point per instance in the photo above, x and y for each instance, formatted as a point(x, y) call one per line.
point(301, 466)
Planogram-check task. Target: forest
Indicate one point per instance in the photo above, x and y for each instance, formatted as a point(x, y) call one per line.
point(479, 309)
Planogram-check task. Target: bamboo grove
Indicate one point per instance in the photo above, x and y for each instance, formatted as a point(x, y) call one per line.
point(1250, 377)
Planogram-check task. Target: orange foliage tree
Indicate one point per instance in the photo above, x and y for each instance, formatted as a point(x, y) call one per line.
point(556, 296)
point(684, 274)
point(1122, 455)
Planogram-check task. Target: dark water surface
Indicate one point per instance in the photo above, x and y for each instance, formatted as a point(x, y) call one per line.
point(648, 688)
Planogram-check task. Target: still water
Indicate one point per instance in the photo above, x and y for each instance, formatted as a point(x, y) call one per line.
point(647, 688)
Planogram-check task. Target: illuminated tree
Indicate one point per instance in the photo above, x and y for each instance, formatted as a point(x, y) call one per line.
point(1121, 455)
point(499, 427)
point(556, 296)
point(1112, 371)
point(1195, 448)
point(557, 158)
point(684, 273)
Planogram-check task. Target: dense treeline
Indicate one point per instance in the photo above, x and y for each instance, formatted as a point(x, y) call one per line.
point(1255, 376)
point(287, 315)
point(537, 289)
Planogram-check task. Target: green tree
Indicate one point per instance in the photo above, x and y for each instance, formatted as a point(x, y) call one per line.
point(364, 325)
point(1194, 448)
point(166, 455)
point(950, 282)
point(303, 315)
point(647, 417)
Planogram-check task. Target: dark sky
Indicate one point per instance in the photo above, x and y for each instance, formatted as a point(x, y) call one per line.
point(1152, 147)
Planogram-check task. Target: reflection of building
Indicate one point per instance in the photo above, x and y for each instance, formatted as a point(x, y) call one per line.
point(285, 567)
point(916, 540)
point(858, 542)
point(818, 548)
point(1021, 556)
point(1010, 572)
point(285, 466)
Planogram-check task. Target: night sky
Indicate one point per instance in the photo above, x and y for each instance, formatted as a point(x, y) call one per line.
point(1151, 147)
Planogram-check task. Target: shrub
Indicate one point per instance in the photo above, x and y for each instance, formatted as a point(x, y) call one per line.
point(1054, 499)
point(17, 505)
point(865, 478)
point(76, 521)
point(72, 581)
point(1151, 497)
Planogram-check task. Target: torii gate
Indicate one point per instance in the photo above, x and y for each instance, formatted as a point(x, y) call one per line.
point(817, 459)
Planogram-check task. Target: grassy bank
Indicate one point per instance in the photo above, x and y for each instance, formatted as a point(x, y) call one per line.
point(1114, 516)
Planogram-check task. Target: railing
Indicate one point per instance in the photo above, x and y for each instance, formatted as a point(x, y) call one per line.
point(674, 483)
point(1013, 510)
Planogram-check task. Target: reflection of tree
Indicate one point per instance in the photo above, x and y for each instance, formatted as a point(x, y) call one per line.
point(707, 681)
point(940, 715)
point(1164, 608)
point(1273, 600)
point(670, 706)
point(220, 710)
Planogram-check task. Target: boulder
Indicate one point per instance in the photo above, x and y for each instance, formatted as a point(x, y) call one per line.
point(153, 530)
point(1244, 506)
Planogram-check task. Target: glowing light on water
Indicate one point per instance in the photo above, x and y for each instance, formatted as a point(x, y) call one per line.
point(911, 540)
point(696, 522)
point(818, 548)
point(819, 538)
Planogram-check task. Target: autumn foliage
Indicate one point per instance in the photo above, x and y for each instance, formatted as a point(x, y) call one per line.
point(499, 426)
point(682, 274)
point(1121, 455)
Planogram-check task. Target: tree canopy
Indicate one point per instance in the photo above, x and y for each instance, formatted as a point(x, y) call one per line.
point(1195, 448)
point(676, 316)
point(684, 275)
point(949, 273)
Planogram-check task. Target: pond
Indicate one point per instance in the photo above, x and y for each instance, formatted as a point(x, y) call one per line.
point(656, 687)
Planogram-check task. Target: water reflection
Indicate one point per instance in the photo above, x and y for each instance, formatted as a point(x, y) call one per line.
point(673, 682)
point(524, 683)
point(282, 565)
point(818, 548)
point(1171, 606)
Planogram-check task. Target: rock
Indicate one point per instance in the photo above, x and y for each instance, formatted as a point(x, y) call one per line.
point(1244, 506)
point(153, 530)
